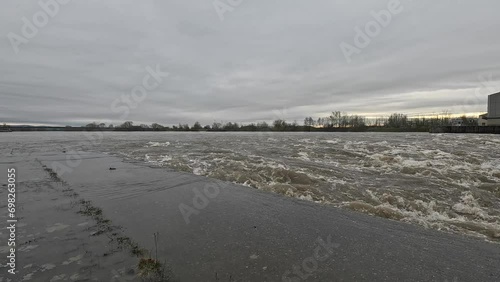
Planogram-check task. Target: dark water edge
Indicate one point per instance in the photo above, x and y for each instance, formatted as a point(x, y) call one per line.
point(234, 233)
point(466, 129)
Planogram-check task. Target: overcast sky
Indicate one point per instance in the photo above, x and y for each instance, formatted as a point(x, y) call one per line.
point(259, 60)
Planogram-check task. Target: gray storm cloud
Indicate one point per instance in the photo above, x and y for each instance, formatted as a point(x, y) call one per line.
point(244, 60)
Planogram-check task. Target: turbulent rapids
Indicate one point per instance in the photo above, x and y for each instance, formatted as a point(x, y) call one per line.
point(446, 182)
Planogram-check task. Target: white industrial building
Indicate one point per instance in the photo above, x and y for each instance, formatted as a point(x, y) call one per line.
point(492, 118)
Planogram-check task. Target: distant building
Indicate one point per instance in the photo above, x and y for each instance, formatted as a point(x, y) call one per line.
point(492, 118)
point(494, 109)
point(483, 120)
point(457, 122)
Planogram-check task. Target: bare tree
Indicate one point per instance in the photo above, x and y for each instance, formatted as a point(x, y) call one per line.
point(127, 124)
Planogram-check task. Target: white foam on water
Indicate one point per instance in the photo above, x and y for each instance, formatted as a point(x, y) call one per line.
point(333, 141)
point(306, 197)
point(157, 144)
point(165, 158)
point(199, 167)
point(471, 218)
point(469, 205)
point(303, 156)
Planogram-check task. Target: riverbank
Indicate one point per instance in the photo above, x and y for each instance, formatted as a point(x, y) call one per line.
point(467, 129)
point(210, 230)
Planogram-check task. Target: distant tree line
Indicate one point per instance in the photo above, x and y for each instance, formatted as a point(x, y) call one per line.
point(336, 121)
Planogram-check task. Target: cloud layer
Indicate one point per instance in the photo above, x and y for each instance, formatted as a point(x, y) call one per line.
point(264, 60)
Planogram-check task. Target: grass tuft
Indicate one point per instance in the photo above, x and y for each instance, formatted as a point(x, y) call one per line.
point(149, 267)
